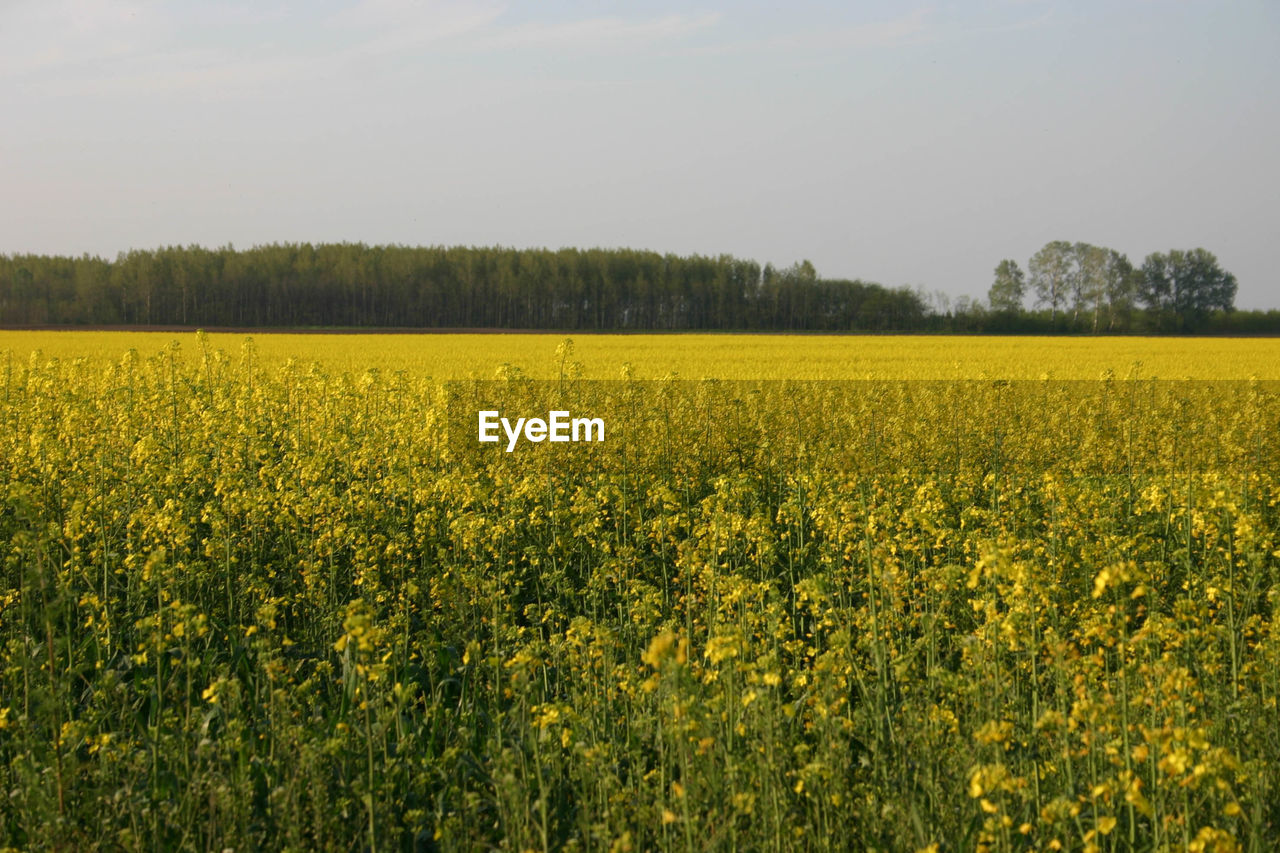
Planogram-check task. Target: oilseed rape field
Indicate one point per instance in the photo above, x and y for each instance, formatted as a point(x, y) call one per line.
point(805, 593)
point(702, 356)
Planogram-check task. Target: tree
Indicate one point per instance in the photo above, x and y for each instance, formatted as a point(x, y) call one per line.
point(1051, 273)
point(1088, 281)
point(1008, 289)
point(1185, 286)
point(1120, 284)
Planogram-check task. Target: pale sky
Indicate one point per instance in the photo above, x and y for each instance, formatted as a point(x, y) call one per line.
point(914, 144)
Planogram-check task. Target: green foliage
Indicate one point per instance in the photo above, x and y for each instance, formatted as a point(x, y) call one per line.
point(1086, 288)
point(354, 285)
point(1008, 289)
point(1050, 268)
point(1184, 287)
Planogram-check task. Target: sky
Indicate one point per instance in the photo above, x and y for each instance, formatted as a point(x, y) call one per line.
point(907, 144)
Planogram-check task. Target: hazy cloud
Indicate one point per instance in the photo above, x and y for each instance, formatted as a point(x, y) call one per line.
point(101, 47)
point(39, 36)
point(602, 33)
point(885, 33)
point(387, 26)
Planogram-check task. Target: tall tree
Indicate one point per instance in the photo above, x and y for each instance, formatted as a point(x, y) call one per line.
point(1185, 286)
point(1008, 289)
point(1050, 270)
point(1120, 283)
point(1088, 281)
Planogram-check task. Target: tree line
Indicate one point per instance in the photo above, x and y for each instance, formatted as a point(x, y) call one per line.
point(1085, 288)
point(1073, 288)
point(357, 285)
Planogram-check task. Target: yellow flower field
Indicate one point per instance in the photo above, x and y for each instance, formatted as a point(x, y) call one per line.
point(694, 356)
point(278, 595)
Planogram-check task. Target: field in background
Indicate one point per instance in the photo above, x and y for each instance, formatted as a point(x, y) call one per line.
point(690, 356)
point(250, 601)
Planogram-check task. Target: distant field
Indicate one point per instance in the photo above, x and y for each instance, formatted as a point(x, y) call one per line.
point(480, 356)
